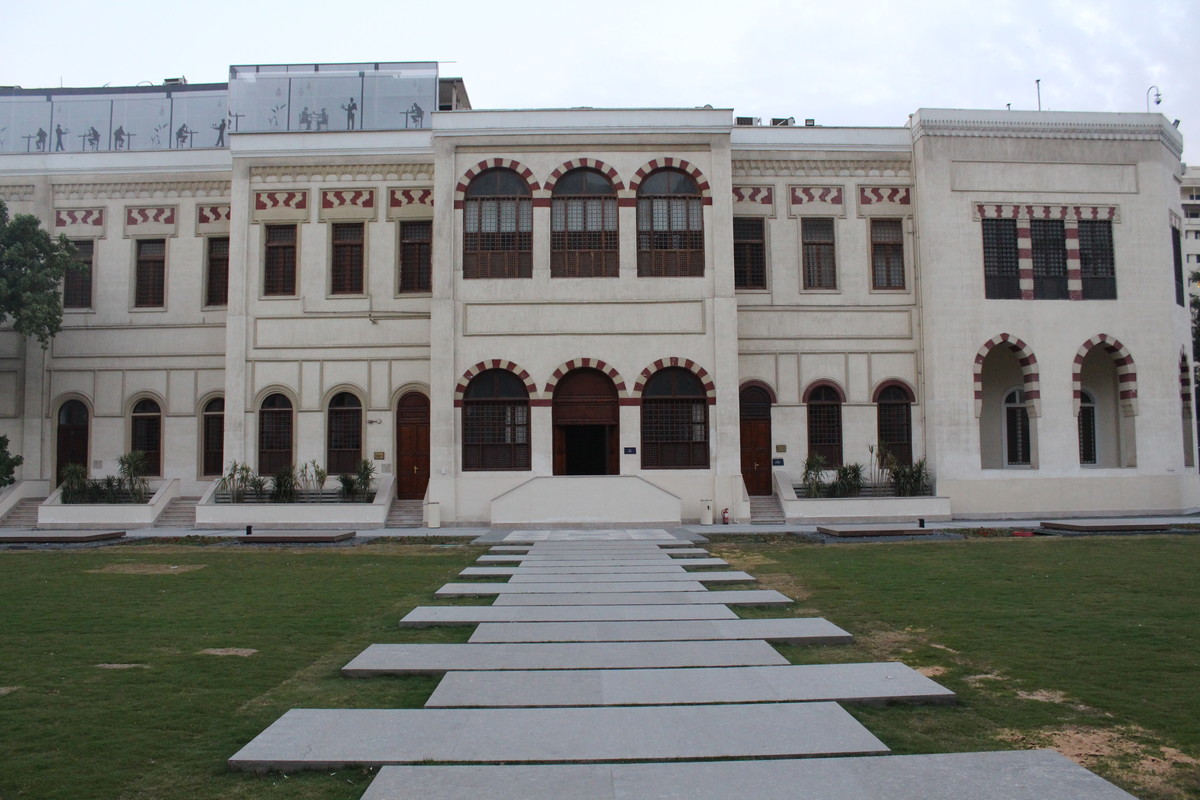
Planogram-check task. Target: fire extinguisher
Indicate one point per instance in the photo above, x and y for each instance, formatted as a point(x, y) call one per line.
point(725, 517)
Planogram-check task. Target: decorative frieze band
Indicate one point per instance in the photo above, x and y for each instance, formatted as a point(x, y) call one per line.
point(150, 220)
point(410, 203)
point(816, 201)
point(289, 205)
point(1026, 211)
point(825, 168)
point(79, 222)
point(16, 193)
point(763, 195)
point(348, 204)
point(342, 173)
point(141, 191)
point(212, 219)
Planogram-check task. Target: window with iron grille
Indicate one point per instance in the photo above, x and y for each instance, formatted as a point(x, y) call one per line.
point(346, 269)
point(150, 279)
point(887, 255)
point(1177, 251)
point(1096, 260)
point(825, 425)
point(749, 253)
point(895, 424)
point(77, 283)
point(674, 421)
point(275, 435)
point(145, 434)
point(498, 226)
point(820, 269)
point(1001, 260)
point(344, 434)
point(1049, 242)
point(279, 260)
point(583, 227)
point(416, 256)
point(670, 222)
point(496, 422)
point(216, 281)
point(1016, 430)
point(213, 437)
point(1087, 429)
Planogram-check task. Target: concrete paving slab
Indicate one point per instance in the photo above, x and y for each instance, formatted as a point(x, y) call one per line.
point(485, 589)
point(851, 531)
point(21, 536)
point(331, 739)
point(510, 548)
point(597, 535)
point(639, 561)
point(429, 616)
point(494, 572)
point(283, 537)
point(789, 630)
point(747, 597)
point(871, 684)
point(1000, 775)
point(436, 659)
point(723, 576)
point(1105, 525)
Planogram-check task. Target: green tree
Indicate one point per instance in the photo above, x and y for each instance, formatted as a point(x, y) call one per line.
point(8, 463)
point(32, 265)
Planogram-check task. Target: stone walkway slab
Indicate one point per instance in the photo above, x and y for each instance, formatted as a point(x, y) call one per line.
point(1105, 525)
point(1001, 775)
point(598, 535)
point(723, 576)
point(428, 616)
point(331, 739)
point(435, 659)
point(485, 589)
point(872, 684)
point(579, 551)
point(497, 572)
point(852, 531)
point(639, 561)
point(789, 630)
point(285, 537)
point(22, 536)
point(746, 597)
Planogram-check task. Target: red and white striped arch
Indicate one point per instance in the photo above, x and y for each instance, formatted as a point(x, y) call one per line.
point(584, 163)
point(493, 163)
point(1126, 371)
point(673, 163)
point(593, 363)
point(710, 388)
point(1029, 372)
point(497, 363)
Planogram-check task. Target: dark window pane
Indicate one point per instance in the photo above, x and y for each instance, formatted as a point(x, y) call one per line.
point(77, 283)
point(214, 437)
point(1049, 259)
point(749, 253)
point(674, 421)
point(825, 425)
point(346, 271)
point(344, 434)
point(1017, 433)
point(887, 254)
point(820, 271)
point(1001, 260)
point(275, 435)
point(416, 256)
point(150, 283)
point(496, 422)
point(1177, 252)
point(1087, 434)
point(670, 224)
point(1096, 260)
point(146, 434)
point(583, 227)
point(498, 226)
point(216, 291)
point(279, 260)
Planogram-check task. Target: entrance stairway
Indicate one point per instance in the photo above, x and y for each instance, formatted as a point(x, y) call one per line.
point(24, 514)
point(404, 514)
point(766, 510)
point(179, 513)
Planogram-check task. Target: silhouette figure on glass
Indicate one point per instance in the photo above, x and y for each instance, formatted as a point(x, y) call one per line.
point(220, 129)
point(306, 119)
point(58, 134)
point(181, 135)
point(417, 115)
point(350, 108)
point(119, 137)
point(40, 140)
point(323, 120)
point(93, 138)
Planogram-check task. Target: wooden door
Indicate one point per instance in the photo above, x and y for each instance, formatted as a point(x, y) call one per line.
point(586, 418)
point(71, 446)
point(756, 440)
point(412, 446)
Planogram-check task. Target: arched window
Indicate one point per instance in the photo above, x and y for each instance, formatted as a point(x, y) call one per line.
point(498, 226)
point(496, 422)
point(583, 226)
point(72, 437)
point(145, 434)
point(1087, 428)
point(343, 434)
point(894, 408)
point(275, 435)
point(674, 421)
point(1016, 430)
point(212, 437)
point(825, 424)
point(670, 219)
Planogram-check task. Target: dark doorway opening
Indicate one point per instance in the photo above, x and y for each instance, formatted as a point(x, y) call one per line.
point(412, 446)
point(586, 424)
point(586, 449)
point(756, 440)
point(72, 444)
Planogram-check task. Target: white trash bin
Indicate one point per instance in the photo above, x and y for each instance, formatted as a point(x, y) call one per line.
point(433, 515)
point(706, 513)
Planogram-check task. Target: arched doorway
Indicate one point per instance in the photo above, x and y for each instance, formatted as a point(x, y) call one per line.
point(586, 424)
point(72, 437)
point(755, 405)
point(412, 446)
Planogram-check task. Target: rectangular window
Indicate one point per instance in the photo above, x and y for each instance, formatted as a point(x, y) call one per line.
point(1177, 252)
point(151, 274)
point(416, 256)
point(1096, 260)
point(749, 253)
point(1001, 261)
point(820, 271)
point(887, 254)
point(346, 269)
point(216, 280)
point(279, 260)
point(77, 283)
point(1049, 259)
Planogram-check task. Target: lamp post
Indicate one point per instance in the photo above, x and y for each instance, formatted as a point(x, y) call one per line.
point(1157, 97)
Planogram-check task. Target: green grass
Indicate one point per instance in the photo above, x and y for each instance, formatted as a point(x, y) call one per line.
point(1088, 644)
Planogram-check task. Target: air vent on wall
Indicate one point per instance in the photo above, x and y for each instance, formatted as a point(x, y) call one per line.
point(747, 120)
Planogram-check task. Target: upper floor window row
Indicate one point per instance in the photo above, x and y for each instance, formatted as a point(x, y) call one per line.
point(1049, 259)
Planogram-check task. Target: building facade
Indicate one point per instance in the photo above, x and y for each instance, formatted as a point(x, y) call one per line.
point(617, 315)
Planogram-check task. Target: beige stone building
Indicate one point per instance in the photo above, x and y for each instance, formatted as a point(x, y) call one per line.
point(605, 316)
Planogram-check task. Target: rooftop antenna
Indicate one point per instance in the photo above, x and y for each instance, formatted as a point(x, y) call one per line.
point(1039, 91)
point(1157, 97)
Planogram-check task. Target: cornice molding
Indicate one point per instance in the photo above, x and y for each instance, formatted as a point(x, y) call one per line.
point(1050, 129)
point(17, 192)
point(779, 168)
point(341, 173)
point(141, 190)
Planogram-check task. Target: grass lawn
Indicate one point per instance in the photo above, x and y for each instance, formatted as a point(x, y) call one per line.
point(106, 691)
point(1087, 645)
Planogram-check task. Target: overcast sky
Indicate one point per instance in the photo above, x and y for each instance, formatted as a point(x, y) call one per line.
point(855, 62)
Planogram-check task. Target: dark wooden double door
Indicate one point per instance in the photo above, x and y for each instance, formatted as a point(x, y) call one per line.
point(755, 415)
point(586, 424)
point(412, 446)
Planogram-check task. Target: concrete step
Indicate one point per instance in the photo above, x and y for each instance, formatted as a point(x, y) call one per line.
point(405, 514)
point(179, 513)
point(786, 630)
point(23, 514)
point(766, 510)
point(747, 597)
point(430, 616)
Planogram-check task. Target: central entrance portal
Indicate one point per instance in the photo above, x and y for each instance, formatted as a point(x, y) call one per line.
point(586, 424)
